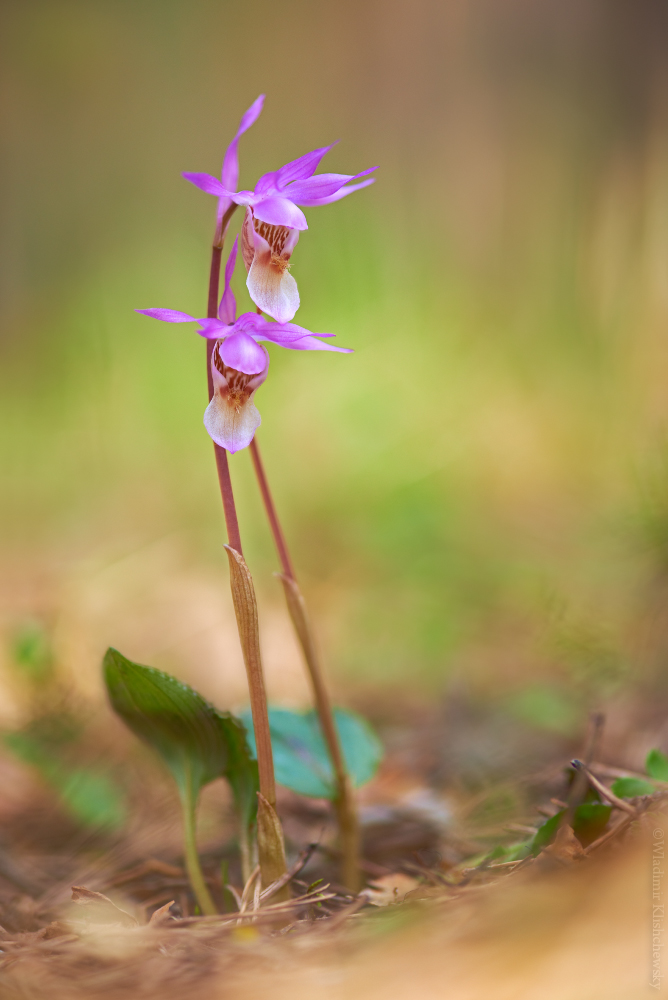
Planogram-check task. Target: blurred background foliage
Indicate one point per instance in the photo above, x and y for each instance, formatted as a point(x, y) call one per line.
point(478, 496)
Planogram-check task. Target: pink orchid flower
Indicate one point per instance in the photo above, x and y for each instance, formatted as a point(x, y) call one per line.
point(273, 221)
point(239, 365)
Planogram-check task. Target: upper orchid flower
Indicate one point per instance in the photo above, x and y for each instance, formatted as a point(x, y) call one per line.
point(239, 365)
point(273, 222)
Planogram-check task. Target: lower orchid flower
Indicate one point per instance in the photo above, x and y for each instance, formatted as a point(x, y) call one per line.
point(239, 365)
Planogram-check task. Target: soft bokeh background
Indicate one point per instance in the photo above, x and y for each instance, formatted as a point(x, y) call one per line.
point(478, 497)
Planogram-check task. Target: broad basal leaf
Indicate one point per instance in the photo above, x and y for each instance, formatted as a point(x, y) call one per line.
point(656, 765)
point(301, 760)
point(589, 822)
point(628, 788)
point(197, 742)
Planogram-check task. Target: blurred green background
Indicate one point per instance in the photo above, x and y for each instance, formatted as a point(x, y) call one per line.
point(479, 495)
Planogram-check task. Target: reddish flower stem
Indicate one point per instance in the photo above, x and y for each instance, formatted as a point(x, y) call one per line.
point(222, 464)
point(274, 523)
point(344, 802)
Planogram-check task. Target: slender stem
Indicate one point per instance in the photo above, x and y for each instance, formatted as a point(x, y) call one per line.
point(229, 508)
point(222, 464)
point(193, 866)
point(270, 835)
point(344, 802)
point(276, 529)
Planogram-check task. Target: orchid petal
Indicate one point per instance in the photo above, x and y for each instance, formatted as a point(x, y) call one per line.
point(242, 353)
point(312, 344)
point(315, 202)
point(227, 310)
point(241, 197)
point(271, 286)
point(231, 428)
point(167, 315)
point(212, 329)
point(303, 167)
point(266, 184)
point(321, 186)
point(205, 182)
point(278, 211)
point(280, 333)
point(230, 172)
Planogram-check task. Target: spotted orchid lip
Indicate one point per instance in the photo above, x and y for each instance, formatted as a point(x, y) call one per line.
point(266, 251)
point(231, 418)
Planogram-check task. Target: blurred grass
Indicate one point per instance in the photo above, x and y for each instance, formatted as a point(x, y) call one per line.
point(481, 487)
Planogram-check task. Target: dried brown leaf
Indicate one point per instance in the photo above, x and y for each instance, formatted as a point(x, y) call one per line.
point(391, 889)
point(161, 914)
point(100, 909)
point(565, 846)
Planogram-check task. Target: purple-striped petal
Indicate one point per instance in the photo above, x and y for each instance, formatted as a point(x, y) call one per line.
point(227, 310)
point(321, 186)
point(305, 166)
point(167, 315)
point(205, 182)
point(280, 212)
point(242, 353)
point(230, 172)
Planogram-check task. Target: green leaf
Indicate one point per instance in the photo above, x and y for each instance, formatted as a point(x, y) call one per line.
point(196, 741)
point(591, 819)
point(87, 794)
point(511, 852)
point(93, 799)
point(32, 652)
point(545, 707)
point(546, 833)
point(656, 765)
point(628, 788)
point(589, 822)
point(301, 760)
point(241, 770)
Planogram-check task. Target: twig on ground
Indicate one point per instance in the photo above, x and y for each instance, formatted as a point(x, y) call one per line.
point(579, 786)
point(299, 865)
point(618, 828)
point(607, 794)
point(605, 771)
point(245, 895)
